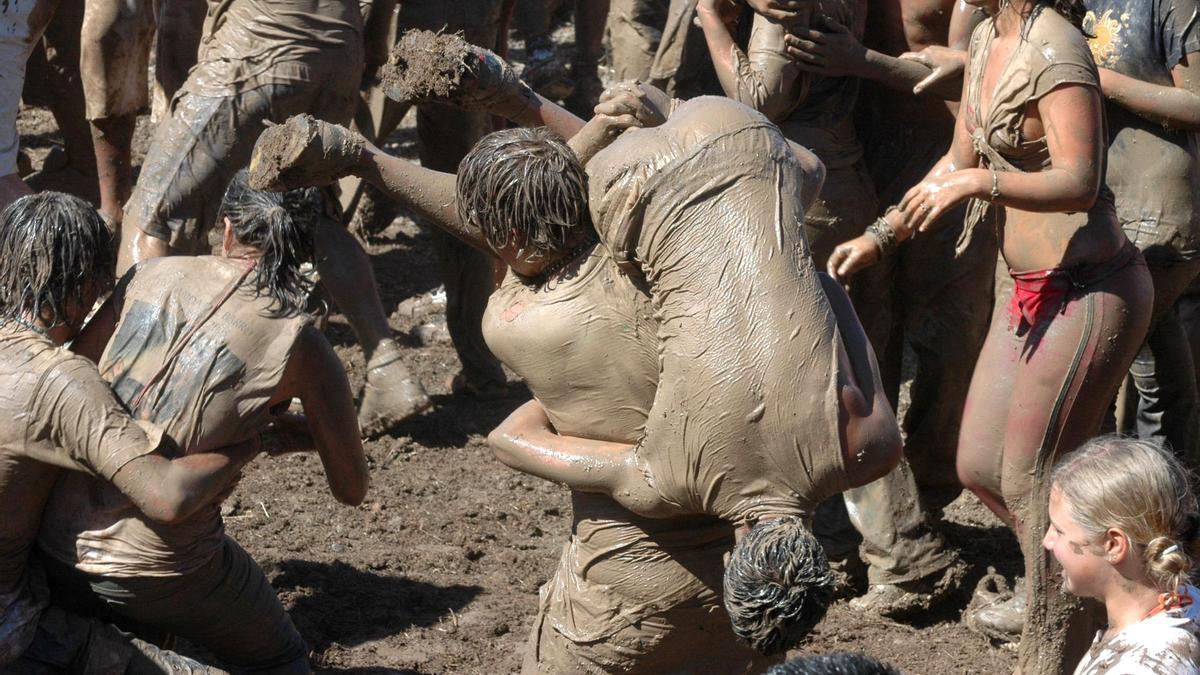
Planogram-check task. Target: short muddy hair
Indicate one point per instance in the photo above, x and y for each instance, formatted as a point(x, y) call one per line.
point(523, 186)
point(282, 226)
point(1141, 489)
point(778, 585)
point(54, 248)
point(834, 663)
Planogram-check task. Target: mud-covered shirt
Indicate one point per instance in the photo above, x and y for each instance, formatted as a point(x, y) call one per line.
point(249, 42)
point(1154, 171)
point(1167, 643)
point(198, 354)
point(56, 412)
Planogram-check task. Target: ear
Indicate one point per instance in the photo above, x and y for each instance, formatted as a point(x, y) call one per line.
point(227, 241)
point(1116, 546)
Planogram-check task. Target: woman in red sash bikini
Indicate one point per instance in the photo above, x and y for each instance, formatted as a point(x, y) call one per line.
point(1029, 154)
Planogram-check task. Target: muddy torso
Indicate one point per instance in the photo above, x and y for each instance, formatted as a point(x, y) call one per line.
point(265, 41)
point(1167, 643)
point(586, 345)
point(58, 414)
point(1006, 81)
point(1154, 172)
point(707, 210)
point(208, 382)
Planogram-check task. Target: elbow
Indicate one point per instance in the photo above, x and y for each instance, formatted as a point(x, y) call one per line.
point(353, 495)
point(501, 444)
point(167, 509)
point(1082, 198)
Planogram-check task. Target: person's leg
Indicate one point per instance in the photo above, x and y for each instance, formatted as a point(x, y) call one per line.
point(114, 61)
point(1162, 373)
point(21, 26)
point(226, 607)
point(180, 25)
point(590, 18)
point(1065, 379)
point(53, 81)
point(634, 32)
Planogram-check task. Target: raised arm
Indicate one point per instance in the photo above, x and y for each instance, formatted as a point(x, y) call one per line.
point(764, 77)
point(526, 441)
point(315, 376)
point(1175, 106)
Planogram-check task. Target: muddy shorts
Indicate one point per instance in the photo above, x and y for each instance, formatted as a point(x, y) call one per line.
point(21, 25)
point(226, 607)
point(208, 139)
point(115, 56)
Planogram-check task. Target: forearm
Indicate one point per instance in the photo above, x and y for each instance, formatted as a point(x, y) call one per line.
point(902, 75)
point(1049, 191)
point(169, 491)
point(1172, 107)
point(720, 50)
point(542, 112)
point(430, 193)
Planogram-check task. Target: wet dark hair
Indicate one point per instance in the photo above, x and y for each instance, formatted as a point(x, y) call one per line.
point(281, 225)
point(834, 663)
point(1071, 10)
point(523, 186)
point(54, 247)
point(778, 585)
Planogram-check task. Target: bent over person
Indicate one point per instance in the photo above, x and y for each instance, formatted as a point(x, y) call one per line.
point(213, 349)
point(61, 417)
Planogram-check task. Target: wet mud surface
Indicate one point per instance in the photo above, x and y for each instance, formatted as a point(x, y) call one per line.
point(438, 570)
point(423, 65)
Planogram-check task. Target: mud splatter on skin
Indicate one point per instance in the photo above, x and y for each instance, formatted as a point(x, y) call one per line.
point(425, 65)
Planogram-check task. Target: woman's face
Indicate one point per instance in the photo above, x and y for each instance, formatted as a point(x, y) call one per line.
point(1084, 567)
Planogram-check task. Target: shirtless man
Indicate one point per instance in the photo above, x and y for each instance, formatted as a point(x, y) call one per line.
point(263, 61)
point(935, 295)
point(62, 418)
point(213, 349)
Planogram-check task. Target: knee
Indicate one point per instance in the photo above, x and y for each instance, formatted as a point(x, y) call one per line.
point(778, 585)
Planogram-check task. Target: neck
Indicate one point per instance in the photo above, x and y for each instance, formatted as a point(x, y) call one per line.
point(1012, 16)
point(1128, 601)
point(242, 252)
point(58, 334)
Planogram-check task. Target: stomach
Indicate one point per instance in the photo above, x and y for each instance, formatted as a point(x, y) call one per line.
point(1038, 241)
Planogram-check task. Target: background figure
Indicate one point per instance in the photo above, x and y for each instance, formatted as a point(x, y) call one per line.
point(21, 25)
point(635, 29)
point(580, 87)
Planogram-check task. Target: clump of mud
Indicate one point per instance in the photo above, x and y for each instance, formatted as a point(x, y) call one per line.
point(302, 152)
point(425, 65)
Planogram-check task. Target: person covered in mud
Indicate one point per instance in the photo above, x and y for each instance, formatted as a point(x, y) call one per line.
point(21, 26)
point(1028, 155)
point(263, 61)
point(498, 218)
point(1124, 528)
point(61, 417)
point(935, 295)
point(213, 349)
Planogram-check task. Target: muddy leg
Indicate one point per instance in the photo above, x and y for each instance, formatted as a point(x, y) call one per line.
point(180, 25)
point(634, 32)
point(590, 19)
point(391, 393)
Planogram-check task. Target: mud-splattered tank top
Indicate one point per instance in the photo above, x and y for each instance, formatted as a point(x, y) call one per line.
point(196, 353)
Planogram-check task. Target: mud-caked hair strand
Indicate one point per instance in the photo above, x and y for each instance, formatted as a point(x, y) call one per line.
point(778, 585)
point(1141, 489)
point(282, 226)
point(54, 249)
point(525, 187)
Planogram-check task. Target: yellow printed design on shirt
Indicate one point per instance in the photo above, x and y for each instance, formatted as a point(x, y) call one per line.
point(1106, 31)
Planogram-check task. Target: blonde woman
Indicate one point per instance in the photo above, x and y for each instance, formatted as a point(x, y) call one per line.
point(1123, 525)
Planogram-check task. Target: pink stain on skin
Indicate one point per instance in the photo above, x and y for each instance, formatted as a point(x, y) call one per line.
point(513, 312)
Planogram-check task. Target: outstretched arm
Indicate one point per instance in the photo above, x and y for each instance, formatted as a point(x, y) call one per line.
point(1175, 106)
point(315, 376)
point(170, 490)
point(526, 441)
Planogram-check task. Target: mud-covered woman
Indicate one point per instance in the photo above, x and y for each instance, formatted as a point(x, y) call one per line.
point(213, 349)
point(585, 334)
point(1029, 152)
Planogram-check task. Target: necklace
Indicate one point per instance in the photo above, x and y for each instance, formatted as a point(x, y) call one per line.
point(570, 257)
point(28, 325)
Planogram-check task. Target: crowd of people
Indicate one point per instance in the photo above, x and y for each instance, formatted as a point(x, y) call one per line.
point(713, 276)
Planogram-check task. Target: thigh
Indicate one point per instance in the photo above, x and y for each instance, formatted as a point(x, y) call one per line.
point(115, 55)
point(226, 607)
point(1066, 380)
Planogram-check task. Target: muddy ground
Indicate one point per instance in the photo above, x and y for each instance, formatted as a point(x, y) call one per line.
point(438, 571)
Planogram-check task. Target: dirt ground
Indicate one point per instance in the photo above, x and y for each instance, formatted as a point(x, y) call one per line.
point(438, 571)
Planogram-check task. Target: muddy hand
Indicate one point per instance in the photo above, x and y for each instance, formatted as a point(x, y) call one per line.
point(832, 52)
point(850, 257)
point(650, 105)
point(945, 64)
point(599, 133)
point(304, 152)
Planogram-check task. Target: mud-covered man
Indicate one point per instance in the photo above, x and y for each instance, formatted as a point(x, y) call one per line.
point(263, 61)
point(61, 416)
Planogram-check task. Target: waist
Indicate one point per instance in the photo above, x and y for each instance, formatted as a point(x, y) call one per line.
point(1080, 275)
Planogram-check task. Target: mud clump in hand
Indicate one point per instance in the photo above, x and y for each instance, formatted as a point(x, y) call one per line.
point(303, 152)
point(425, 65)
